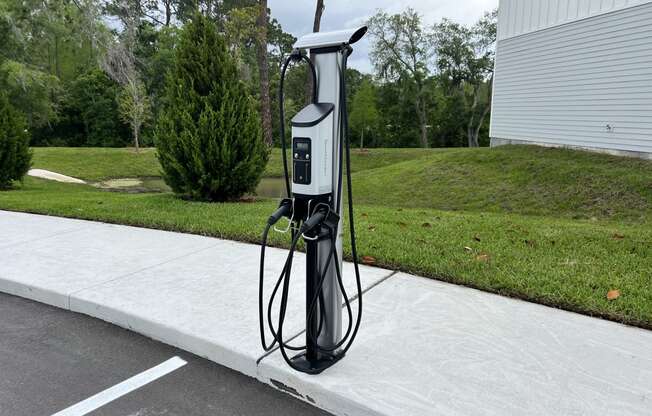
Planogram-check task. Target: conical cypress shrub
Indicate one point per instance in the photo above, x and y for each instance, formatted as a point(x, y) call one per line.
point(208, 136)
point(15, 156)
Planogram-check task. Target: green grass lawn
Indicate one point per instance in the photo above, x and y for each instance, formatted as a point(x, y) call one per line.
point(552, 226)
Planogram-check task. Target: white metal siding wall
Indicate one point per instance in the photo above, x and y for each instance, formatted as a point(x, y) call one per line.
point(517, 17)
point(565, 84)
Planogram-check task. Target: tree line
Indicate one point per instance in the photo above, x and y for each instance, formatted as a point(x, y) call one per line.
point(93, 72)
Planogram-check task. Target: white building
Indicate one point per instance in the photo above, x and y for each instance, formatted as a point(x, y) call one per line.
point(574, 73)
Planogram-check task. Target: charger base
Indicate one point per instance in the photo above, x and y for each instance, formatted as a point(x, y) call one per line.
point(315, 366)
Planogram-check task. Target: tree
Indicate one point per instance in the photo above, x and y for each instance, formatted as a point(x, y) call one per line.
point(263, 73)
point(135, 108)
point(93, 101)
point(119, 63)
point(484, 41)
point(449, 119)
point(35, 93)
point(280, 43)
point(402, 50)
point(396, 127)
point(208, 135)
point(247, 29)
point(241, 36)
point(466, 61)
point(365, 113)
point(15, 156)
point(154, 56)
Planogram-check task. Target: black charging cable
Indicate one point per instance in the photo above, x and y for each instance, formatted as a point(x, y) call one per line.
point(295, 56)
point(345, 144)
point(347, 50)
point(286, 207)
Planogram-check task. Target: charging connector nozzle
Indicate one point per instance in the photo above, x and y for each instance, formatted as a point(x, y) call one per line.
point(284, 210)
point(315, 219)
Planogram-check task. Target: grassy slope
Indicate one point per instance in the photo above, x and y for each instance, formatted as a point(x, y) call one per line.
point(96, 164)
point(527, 180)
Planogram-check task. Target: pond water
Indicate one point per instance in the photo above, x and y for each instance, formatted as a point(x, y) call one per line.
point(267, 188)
point(271, 188)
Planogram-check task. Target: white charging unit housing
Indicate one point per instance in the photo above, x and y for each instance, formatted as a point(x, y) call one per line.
point(312, 150)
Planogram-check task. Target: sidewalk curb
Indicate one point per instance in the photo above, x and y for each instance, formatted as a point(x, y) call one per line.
point(36, 294)
point(172, 336)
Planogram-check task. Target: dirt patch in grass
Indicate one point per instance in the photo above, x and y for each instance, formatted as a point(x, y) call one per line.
point(134, 185)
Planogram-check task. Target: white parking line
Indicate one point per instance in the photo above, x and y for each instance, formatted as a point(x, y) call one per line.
point(119, 390)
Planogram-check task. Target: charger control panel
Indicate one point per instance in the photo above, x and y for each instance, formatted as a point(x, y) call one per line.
point(312, 150)
point(302, 161)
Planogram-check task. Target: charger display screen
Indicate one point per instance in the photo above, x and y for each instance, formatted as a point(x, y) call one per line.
point(302, 146)
point(302, 159)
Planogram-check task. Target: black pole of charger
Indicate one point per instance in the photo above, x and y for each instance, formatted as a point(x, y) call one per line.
point(312, 290)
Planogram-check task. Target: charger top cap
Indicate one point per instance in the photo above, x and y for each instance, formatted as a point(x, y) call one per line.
point(327, 39)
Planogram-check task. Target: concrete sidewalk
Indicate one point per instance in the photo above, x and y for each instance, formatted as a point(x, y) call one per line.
point(424, 348)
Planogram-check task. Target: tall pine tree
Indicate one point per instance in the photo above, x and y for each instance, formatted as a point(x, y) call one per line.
point(208, 136)
point(15, 156)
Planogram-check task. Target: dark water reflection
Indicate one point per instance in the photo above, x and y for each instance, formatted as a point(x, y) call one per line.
point(271, 188)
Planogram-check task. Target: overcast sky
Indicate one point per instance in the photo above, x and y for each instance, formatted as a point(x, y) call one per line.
point(296, 16)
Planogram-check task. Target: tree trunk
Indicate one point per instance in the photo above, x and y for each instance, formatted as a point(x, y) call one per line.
point(472, 136)
point(136, 139)
point(424, 136)
point(475, 132)
point(316, 25)
point(56, 57)
point(168, 12)
point(423, 123)
point(362, 140)
point(473, 128)
point(263, 71)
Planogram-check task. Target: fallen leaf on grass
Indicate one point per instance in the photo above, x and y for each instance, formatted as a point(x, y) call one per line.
point(477, 238)
point(368, 260)
point(402, 225)
point(618, 236)
point(372, 228)
point(364, 215)
point(426, 225)
point(482, 257)
point(469, 249)
point(613, 294)
point(530, 243)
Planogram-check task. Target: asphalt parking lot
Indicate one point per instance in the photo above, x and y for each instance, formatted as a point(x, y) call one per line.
point(55, 361)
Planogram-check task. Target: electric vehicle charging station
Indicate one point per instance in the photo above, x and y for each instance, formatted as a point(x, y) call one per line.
point(314, 209)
